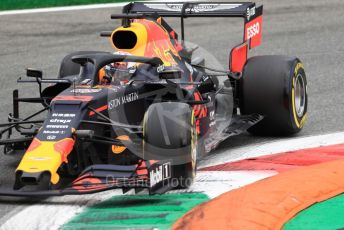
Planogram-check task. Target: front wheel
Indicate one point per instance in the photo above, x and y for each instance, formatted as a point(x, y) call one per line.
point(170, 134)
point(275, 87)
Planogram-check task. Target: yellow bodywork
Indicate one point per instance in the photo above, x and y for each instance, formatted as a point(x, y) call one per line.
point(42, 158)
point(142, 38)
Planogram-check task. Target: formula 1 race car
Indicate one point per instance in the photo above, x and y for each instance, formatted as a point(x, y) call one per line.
point(140, 118)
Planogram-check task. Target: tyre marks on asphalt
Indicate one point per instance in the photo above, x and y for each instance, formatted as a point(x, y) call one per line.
point(136, 212)
point(160, 211)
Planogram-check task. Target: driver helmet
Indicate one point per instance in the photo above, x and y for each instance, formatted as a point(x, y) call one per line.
point(120, 72)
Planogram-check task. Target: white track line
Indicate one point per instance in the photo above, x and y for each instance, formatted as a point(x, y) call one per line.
point(70, 8)
point(217, 182)
point(261, 149)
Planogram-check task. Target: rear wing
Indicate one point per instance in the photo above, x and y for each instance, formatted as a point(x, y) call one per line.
point(191, 9)
point(247, 10)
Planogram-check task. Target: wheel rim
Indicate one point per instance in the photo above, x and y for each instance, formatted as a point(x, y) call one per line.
point(300, 95)
point(194, 145)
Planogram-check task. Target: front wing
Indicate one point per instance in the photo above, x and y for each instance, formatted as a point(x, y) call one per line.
point(98, 178)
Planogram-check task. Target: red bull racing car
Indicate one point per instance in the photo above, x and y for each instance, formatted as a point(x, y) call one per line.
point(139, 118)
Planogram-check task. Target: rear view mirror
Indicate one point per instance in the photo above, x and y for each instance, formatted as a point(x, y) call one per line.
point(170, 74)
point(34, 73)
point(238, 58)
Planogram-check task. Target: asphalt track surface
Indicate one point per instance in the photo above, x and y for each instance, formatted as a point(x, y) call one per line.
point(310, 30)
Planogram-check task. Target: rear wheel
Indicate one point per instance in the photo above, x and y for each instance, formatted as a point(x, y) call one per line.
point(170, 134)
point(275, 87)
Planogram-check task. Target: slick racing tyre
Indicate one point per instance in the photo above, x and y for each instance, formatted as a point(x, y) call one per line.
point(170, 134)
point(275, 87)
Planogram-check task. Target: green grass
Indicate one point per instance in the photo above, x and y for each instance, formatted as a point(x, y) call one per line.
point(320, 216)
point(30, 4)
